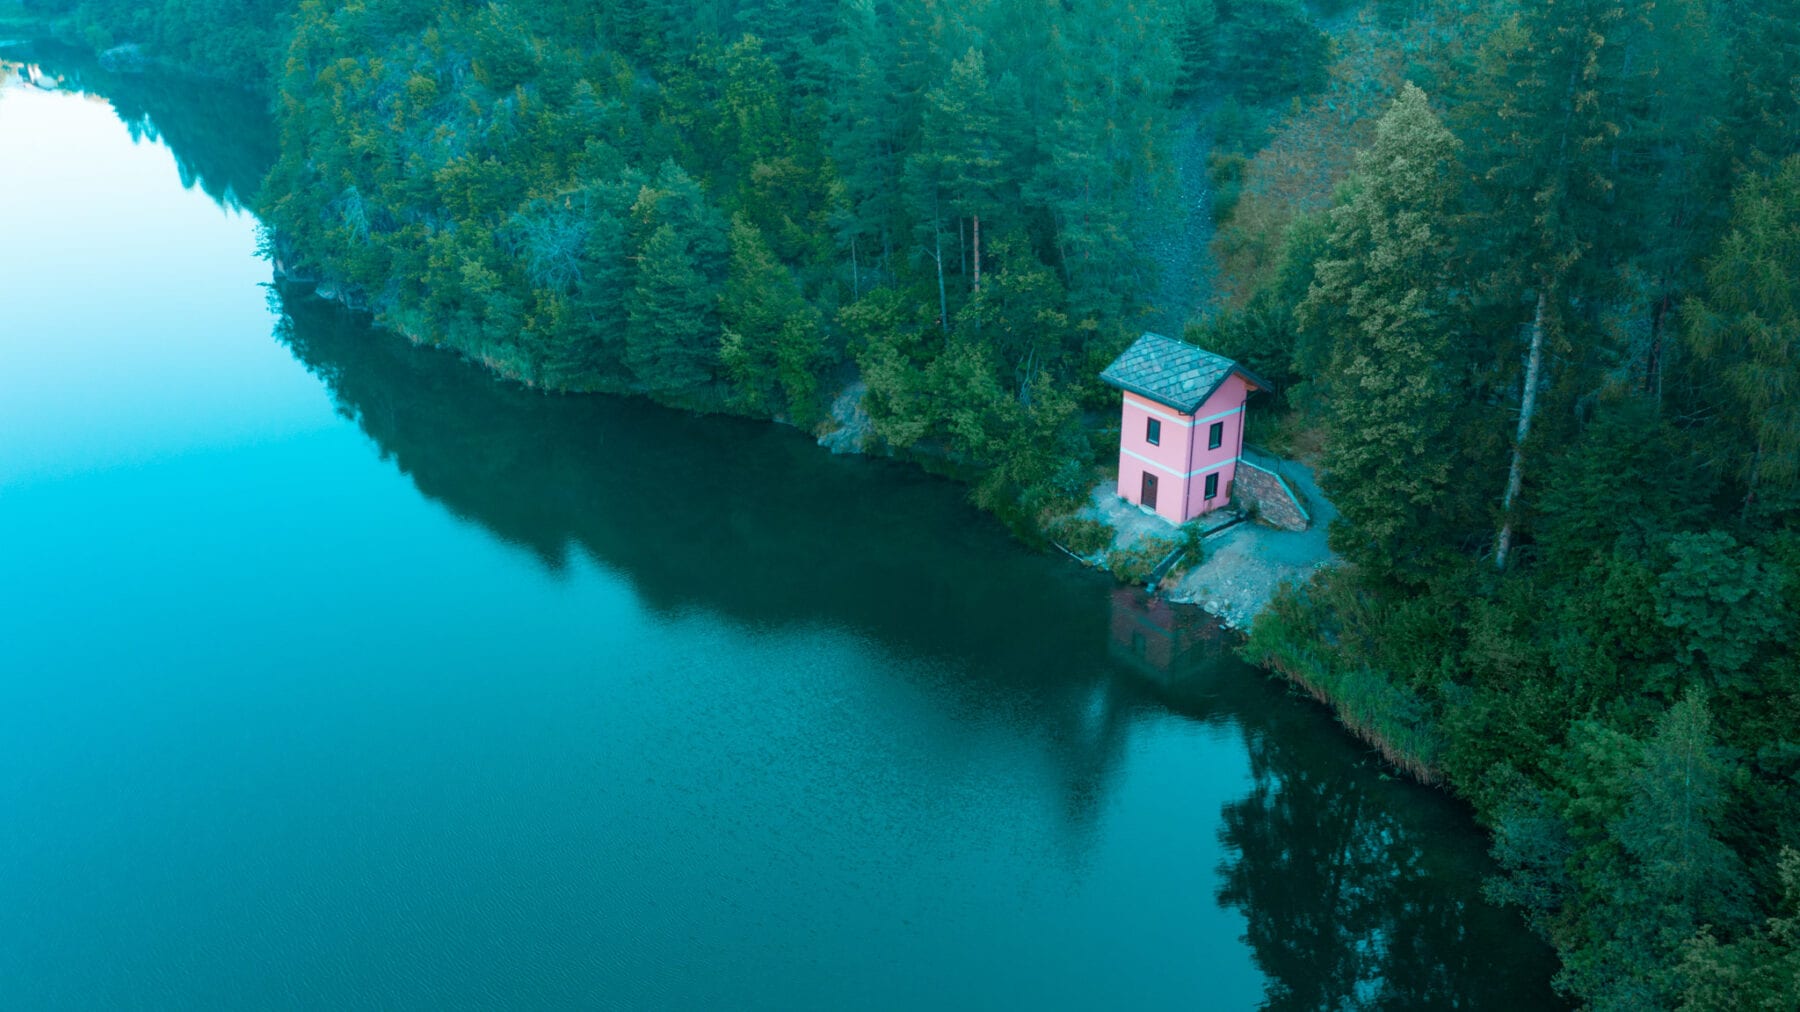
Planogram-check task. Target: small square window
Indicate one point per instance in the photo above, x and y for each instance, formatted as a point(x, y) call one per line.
point(1212, 486)
point(1153, 432)
point(1215, 436)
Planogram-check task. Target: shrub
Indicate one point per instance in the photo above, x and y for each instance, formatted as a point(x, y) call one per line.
point(1193, 543)
point(1081, 535)
point(1134, 565)
point(1226, 173)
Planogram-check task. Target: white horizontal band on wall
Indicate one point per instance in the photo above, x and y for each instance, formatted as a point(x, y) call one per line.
point(1186, 423)
point(1166, 469)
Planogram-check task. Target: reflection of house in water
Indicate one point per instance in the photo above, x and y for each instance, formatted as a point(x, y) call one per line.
point(34, 75)
point(1160, 639)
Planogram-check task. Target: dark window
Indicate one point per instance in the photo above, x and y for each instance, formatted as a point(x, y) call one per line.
point(1212, 485)
point(1153, 432)
point(1215, 436)
point(1148, 495)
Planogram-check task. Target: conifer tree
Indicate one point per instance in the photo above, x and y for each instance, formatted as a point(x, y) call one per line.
point(1197, 44)
point(959, 157)
point(1745, 330)
point(595, 347)
point(1759, 972)
point(772, 339)
point(1544, 117)
point(1381, 287)
point(865, 108)
point(1680, 875)
point(672, 342)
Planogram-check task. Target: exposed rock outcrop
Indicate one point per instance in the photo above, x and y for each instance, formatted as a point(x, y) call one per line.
point(852, 428)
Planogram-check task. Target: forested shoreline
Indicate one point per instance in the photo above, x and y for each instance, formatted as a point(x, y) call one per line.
point(1526, 274)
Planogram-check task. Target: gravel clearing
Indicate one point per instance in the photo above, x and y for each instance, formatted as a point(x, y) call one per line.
point(1246, 563)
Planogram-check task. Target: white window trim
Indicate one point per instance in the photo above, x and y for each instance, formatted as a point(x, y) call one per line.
point(1166, 469)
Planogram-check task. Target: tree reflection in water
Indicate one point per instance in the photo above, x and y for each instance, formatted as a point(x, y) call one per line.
point(1360, 890)
point(222, 139)
point(1356, 890)
point(784, 534)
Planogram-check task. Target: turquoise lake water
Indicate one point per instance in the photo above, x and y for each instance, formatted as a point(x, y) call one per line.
point(335, 673)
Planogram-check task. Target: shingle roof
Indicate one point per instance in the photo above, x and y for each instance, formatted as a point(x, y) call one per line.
point(1173, 372)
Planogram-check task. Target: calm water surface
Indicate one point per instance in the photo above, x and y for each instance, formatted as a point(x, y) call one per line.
point(334, 673)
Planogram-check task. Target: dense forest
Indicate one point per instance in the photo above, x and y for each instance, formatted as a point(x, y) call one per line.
point(1526, 273)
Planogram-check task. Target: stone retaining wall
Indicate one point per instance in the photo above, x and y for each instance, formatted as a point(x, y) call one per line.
point(1263, 492)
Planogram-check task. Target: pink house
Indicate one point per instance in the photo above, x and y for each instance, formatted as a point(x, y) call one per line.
point(1182, 433)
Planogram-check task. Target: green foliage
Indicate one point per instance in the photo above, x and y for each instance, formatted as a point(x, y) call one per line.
point(1394, 719)
point(1759, 971)
point(1225, 171)
point(1272, 49)
point(742, 206)
point(773, 345)
point(1657, 562)
point(1647, 864)
point(1197, 46)
point(1724, 604)
point(670, 343)
point(1135, 564)
point(1081, 535)
point(947, 204)
point(231, 40)
point(1746, 328)
point(1379, 288)
point(1192, 542)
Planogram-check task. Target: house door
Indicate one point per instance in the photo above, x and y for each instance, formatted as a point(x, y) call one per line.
point(1148, 496)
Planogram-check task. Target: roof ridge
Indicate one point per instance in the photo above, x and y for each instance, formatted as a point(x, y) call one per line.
point(1172, 371)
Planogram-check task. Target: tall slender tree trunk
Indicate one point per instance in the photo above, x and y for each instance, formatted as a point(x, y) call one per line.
point(937, 255)
point(962, 250)
point(978, 252)
point(1515, 476)
point(1653, 358)
point(1750, 492)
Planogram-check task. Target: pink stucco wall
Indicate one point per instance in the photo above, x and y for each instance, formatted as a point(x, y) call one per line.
point(1182, 460)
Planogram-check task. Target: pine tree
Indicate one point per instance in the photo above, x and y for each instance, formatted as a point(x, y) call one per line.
point(593, 351)
point(1198, 45)
point(1684, 877)
point(1381, 287)
point(951, 175)
point(1759, 972)
point(1544, 117)
point(1745, 330)
point(772, 341)
point(865, 115)
point(672, 342)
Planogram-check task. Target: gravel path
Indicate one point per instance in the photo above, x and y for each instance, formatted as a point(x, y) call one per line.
point(1179, 227)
